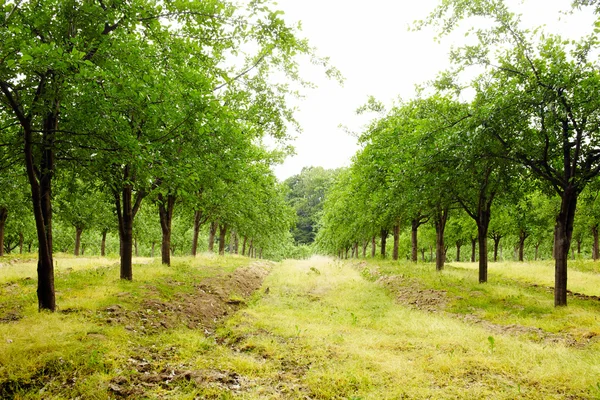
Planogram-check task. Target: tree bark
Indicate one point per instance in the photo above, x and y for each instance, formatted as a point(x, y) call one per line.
point(166, 205)
point(222, 234)
point(564, 232)
point(473, 245)
point(414, 239)
point(396, 231)
point(522, 237)
point(126, 211)
point(212, 232)
point(78, 232)
point(3, 217)
point(441, 218)
point(373, 247)
point(251, 248)
point(537, 246)
point(483, 223)
point(103, 243)
point(458, 246)
point(496, 238)
point(244, 246)
point(384, 235)
point(364, 248)
point(135, 246)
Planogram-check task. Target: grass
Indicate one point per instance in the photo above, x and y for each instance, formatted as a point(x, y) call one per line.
point(324, 329)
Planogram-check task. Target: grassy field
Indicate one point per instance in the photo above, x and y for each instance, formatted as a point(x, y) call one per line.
point(316, 329)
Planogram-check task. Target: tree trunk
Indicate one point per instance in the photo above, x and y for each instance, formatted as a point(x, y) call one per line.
point(496, 238)
point(21, 242)
point(197, 225)
point(135, 246)
point(537, 246)
point(522, 237)
point(384, 235)
point(483, 223)
point(353, 250)
point(222, 234)
point(232, 242)
point(414, 239)
point(126, 210)
point(251, 248)
point(3, 217)
point(595, 247)
point(78, 232)
point(40, 182)
point(423, 254)
point(364, 249)
point(564, 232)
point(103, 243)
point(458, 246)
point(244, 246)
point(373, 247)
point(260, 254)
point(152, 247)
point(396, 231)
point(211, 235)
point(579, 240)
point(473, 245)
point(166, 205)
point(440, 251)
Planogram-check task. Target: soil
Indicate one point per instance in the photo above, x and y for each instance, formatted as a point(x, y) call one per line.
point(410, 293)
point(212, 300)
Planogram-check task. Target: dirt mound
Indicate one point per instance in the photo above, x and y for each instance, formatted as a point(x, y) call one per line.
point(213, 299)
point(412, 294)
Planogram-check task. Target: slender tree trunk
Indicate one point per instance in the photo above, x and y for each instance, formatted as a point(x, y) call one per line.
point(78, 232)
point(222, 234)
point(396, 231)
point(103, 243)
point(537, 246)
point(364, 248)
point(384, 235)
point(458, 246)
point(473, 245)
point(197, 225)
point(260, 254)
point(522, 237)
point(440, 225)
point(3, 217)
point(82, 249)
point(496, 238)
point(211, 235)
point(126, 211)
point(353, 254)
point(152, 248)
point(373, 247)
point(251, 248)
point(21, 239)
point(244, 246)
point(135, 246)
point(595, 246)
point(166, 205)
point(483, 224)
point(564, 232)
point(40, 182)
point(414, 239)
point(579, 240)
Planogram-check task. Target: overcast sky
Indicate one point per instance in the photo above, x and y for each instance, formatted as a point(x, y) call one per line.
point(371, 45)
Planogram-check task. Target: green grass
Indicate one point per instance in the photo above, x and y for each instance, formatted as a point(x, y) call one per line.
point(324, 329)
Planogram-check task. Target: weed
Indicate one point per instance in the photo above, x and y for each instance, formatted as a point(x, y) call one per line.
point(492, 343)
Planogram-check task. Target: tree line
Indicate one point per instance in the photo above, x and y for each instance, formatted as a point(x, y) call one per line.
point(526, 144)
point(113, 110)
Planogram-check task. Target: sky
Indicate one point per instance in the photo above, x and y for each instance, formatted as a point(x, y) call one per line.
point(371, 45)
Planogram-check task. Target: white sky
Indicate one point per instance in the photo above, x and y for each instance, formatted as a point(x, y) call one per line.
point(369, 42)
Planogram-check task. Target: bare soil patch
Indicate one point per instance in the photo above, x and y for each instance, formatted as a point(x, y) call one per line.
point(213, 299)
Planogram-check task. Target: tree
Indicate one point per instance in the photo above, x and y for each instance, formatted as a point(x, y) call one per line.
point(539, 97)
